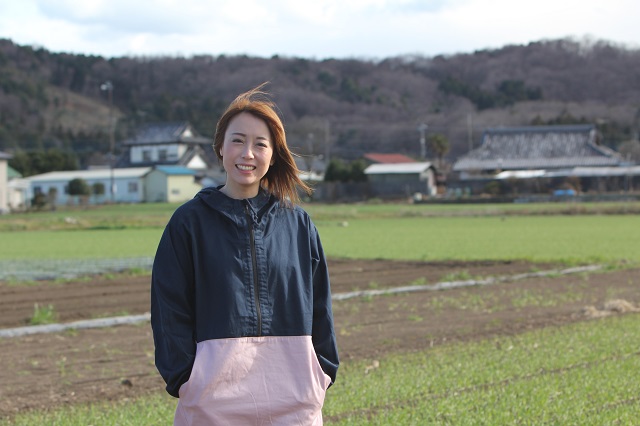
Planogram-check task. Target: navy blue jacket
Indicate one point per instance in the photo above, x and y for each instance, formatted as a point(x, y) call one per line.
point(228, 268)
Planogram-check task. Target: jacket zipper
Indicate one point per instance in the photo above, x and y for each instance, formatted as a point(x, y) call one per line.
point(254, 260)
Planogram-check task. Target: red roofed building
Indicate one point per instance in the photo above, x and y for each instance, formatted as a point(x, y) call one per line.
point(376, 158)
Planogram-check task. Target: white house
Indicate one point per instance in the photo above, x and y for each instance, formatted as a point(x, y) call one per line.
point(168, 144)
point(128, 184)
point(4, 189)
point(18, 190)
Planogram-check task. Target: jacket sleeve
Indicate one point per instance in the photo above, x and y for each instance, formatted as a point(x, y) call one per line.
point(172, 307)
point(323, 334)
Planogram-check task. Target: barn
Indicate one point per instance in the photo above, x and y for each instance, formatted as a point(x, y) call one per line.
point(401, 179)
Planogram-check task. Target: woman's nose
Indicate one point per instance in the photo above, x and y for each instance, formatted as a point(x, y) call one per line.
point(247, 152)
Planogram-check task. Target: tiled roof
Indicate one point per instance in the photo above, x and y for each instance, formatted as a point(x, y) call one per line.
point(538, 147)
point(163, 133)
point(388, 158)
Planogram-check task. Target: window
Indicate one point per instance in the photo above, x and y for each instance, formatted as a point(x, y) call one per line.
point(162, 155)
point(175, 191)
point(146, 155)
point(133, 187)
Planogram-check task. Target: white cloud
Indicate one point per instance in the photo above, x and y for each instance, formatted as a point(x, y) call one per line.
point(314, 29)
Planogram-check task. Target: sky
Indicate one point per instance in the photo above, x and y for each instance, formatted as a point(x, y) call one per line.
point(312, 29)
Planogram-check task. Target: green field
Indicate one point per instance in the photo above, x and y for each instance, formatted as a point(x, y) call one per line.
point(580, 374)
point(571, 239)
point(419, 232)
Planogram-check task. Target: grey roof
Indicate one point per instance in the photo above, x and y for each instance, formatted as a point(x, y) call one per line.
point(397, 168)
point(5, 156)
point(538, 147)
point(167, 133)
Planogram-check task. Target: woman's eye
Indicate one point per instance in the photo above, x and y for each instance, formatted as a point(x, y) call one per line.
point(236, 140)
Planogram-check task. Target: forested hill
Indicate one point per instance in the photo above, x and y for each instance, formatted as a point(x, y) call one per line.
point(343, 107)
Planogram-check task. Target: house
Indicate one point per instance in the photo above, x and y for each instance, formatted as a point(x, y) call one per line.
point(17, 190)
point(4, 188)
point(131, 185)
point(402, 179)
point(377, 158)
point(311, 167)
point(532, 153)
point(168, 144)
point(170, 184)
point(128, 184)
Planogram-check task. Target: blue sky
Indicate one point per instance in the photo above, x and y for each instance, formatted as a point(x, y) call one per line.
point(316, 29)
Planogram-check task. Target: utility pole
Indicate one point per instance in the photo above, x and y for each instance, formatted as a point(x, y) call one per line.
point(470, 131)
point(108, 87)
point(422, 128)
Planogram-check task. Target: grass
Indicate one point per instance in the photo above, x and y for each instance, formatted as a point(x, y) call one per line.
point(380, 232)
point(80, 244)
point(568, 239)
point(43, 315)
point(580, 374)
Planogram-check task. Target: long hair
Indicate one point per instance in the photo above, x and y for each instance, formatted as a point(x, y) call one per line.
point(282, 179)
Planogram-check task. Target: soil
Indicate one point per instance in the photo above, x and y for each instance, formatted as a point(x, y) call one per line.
point(46, 371)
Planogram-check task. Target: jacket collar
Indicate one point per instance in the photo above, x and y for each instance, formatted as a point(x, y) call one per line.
point(258, 205)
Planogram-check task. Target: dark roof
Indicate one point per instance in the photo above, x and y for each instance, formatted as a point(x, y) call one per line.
point(538, 147)
point(375, 157)
point(167, 133)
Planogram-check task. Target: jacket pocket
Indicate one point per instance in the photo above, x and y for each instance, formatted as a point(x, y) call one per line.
point(251, 380)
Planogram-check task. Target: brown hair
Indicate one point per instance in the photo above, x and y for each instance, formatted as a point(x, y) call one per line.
point(282, 178)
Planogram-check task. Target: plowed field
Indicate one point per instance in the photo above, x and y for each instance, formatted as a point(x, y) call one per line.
point(54, 369)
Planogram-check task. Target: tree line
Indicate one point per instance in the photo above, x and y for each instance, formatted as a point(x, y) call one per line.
point(52, 103)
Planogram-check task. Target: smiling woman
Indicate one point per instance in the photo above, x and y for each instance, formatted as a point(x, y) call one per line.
point(240, 299)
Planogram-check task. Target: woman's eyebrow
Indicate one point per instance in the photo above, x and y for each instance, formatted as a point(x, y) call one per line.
point(244, 136)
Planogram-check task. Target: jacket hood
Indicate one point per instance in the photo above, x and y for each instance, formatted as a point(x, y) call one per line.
point(231, 207)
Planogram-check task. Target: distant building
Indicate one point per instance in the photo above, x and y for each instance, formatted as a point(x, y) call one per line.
point(170, 184)
point(377, 158)
point(536, 147)
point(17, 190)
point(131, 185)
point(311, 167)
point(4, 189)
point(168, 144)
point(547, 154)
point(402, 179)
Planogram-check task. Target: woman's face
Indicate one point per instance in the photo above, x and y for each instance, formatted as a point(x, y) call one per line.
point(247, 154)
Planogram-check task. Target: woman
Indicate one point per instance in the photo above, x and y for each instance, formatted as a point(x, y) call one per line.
point(240, 298)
